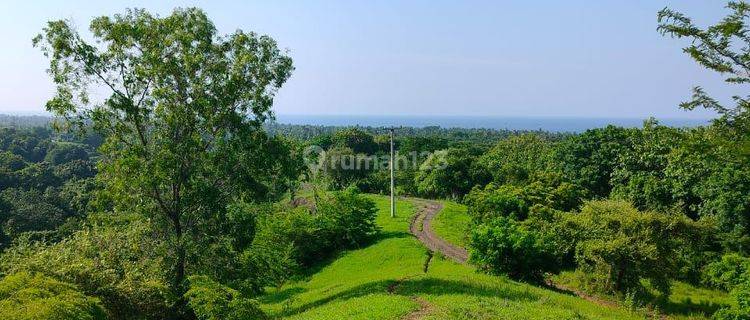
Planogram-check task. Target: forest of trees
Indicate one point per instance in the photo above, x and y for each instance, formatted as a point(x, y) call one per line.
point(176, 197)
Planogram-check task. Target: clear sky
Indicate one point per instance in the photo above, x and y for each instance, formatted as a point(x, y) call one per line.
point(430, 57)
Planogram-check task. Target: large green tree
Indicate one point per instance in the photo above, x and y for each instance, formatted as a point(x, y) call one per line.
point(518, 159)
point(588, 159)
point(182, 117)
point(449, 173)
point(640, 174)
point(723, 48)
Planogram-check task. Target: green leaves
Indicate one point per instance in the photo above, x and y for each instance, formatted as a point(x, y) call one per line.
point(25, 296)
point(211, 300)
point(181, 121)
point(519, 158)
point(449, 173)
point(725, 48)
point(504, 247)
point(588, 159)
point(616, 245)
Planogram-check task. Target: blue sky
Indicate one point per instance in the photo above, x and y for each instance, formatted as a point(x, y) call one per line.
point(500, 58)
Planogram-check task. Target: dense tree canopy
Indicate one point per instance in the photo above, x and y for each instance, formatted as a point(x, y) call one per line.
point(518, 159)
point(590, 158)
point(449, 173)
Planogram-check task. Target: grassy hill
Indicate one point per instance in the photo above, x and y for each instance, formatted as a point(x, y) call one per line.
point(396, 278)
point(452, 223)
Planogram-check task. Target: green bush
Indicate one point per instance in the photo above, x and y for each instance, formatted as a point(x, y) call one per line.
point(26, 296)
point(348, 218)
point(504, 247)
point(356, 139)
point(449, 173)
point(493, 202)
point(341, 167)
point(617, 246)
point(640, 176)
point(589, 159)
point(740, 311)
point(297, 229)
point(210, 300)
point(62, 152)
point(115, 259)
point(727, 273)
point(11, 161)
point(732, 273)
point(265, 264)
point(517, 159)
point(341, 220)
point(552, 191)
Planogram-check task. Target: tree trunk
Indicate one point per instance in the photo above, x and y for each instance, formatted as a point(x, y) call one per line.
point(178, 286)
point(620, 276)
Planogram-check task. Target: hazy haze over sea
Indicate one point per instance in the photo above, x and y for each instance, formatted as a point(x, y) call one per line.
point(554, 124)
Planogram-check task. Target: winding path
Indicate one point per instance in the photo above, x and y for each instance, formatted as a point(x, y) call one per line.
point(421, 227)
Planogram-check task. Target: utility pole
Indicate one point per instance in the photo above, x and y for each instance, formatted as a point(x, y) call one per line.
point(393, 188)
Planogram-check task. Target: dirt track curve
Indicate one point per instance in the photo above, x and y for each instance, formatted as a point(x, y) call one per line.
point(421, 227)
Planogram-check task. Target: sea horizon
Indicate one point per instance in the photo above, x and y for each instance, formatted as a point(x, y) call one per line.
point(545, 123)
point(530, 123)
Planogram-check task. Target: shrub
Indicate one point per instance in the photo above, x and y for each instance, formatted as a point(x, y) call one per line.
point(341, 167)
point(617, 246)
point(33, 296)
point(62, 152)
point(349, 218)
point(114, 259)
point(515, 202)
point(341, 220)
point(297, 229)
point(730, 271)
point(504, 247)
point(12, 162)
point(266, 264)
point(355, 139)
point(741, 310)
point(449, 173)
point(588, 159)
point(211, 300)
point(518, 158)
point(493, 202)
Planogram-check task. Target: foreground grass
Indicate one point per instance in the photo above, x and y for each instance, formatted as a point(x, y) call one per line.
point(686, 302)
point(394, 277)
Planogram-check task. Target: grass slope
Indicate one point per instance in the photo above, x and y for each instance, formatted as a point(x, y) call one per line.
point(387, 280)
point(452, 223)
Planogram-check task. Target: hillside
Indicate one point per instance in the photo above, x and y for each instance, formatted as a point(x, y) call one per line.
point(395, 278)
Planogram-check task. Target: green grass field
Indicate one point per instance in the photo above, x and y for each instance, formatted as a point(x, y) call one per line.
point(387, 280)
point(452, 223)
point(686, 302)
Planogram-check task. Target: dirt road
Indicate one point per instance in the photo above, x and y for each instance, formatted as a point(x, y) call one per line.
point(420, 227)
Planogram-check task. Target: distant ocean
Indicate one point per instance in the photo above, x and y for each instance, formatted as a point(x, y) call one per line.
point(553, 124)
